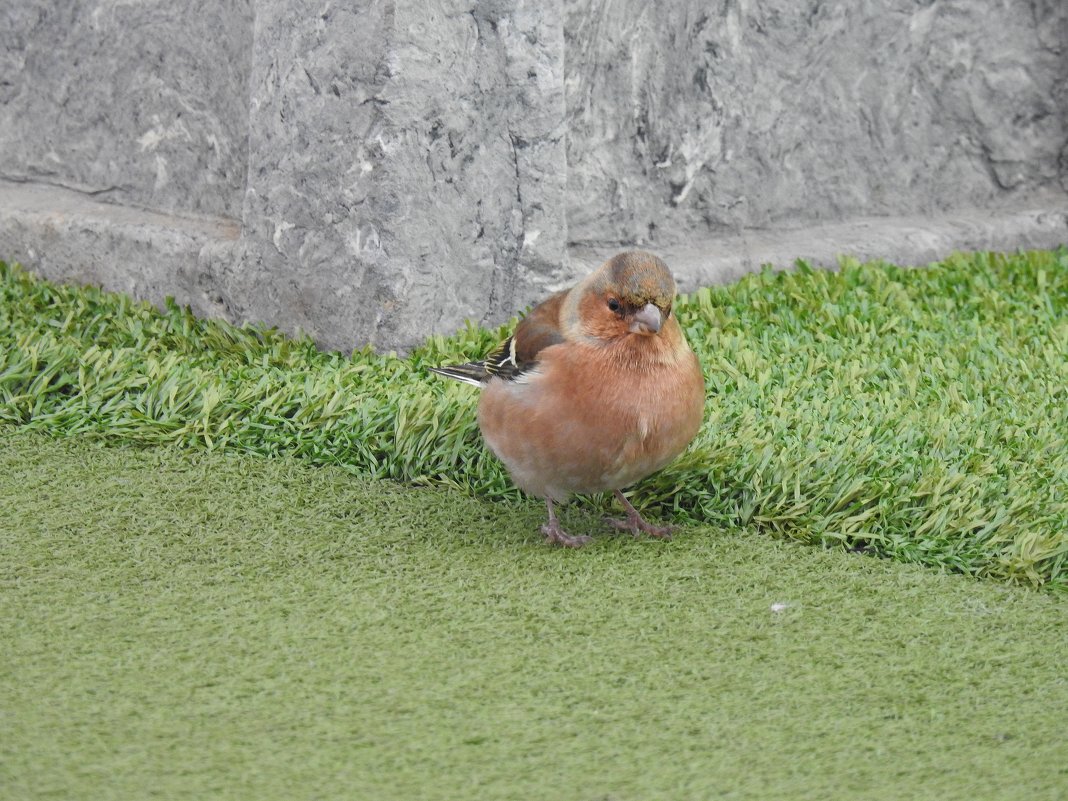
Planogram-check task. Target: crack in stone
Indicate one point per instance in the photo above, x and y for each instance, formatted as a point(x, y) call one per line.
point(72, 187)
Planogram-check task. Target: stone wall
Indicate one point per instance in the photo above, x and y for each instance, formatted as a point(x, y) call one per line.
point(695, 116)
point(138, 103)
point(405, 167)
point(374, 171)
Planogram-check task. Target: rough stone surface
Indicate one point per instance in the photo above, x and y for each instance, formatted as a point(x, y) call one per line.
point(375, 171)
point(406, 168)
point(694, 116)
point(907, 241)
point(142, 103)
point(74, 238)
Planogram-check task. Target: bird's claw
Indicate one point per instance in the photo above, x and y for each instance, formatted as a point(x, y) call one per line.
point(555, 535)
point(636, 524)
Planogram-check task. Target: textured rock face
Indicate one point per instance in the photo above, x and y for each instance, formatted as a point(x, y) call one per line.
point(406, 166)
point(375, 170)
point(696, 116)
point(144, 103)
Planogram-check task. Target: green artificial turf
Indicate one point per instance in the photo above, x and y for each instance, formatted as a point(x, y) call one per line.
point(920, 414)
point(184, 624)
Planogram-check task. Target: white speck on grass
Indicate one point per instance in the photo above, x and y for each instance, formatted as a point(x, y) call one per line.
point(779, 607)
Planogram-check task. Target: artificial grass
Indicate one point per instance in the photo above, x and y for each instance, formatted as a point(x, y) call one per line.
point(921, 414)
point(184, 624)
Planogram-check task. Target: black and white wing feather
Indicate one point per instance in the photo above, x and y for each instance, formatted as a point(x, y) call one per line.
point(519, 353)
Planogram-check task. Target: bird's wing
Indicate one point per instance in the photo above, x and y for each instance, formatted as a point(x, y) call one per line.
point(471, 373)
point(535, 332)
point(517, 354)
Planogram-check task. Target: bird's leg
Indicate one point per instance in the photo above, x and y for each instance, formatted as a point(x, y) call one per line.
point(556, 535)
point(635, 522)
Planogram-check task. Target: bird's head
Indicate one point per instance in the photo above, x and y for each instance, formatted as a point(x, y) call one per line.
point(631, 293)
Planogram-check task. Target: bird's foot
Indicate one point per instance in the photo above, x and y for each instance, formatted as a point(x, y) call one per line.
point(635, 524)
point(555, 535)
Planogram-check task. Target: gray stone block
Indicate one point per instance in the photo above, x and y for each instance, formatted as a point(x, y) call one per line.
point(405, 167)
point(693, 116)
point(143, 104)
point(375, 172)
point(907, 241)
point(73, 238)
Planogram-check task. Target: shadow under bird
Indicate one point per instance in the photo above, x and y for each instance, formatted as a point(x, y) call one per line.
point(596, 389)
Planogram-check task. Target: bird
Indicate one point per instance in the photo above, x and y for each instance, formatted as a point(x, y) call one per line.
point(596, 389)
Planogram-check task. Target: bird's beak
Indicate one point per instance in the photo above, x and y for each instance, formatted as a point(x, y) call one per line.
point(647, 320)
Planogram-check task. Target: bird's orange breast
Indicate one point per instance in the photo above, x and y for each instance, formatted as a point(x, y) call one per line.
point(590, 419)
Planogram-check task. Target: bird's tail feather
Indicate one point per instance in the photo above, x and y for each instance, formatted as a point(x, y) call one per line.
point(470, 373)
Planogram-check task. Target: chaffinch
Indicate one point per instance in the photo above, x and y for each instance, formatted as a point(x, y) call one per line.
point(596, 389)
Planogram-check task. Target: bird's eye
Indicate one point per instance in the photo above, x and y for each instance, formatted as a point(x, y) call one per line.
point(614, 304)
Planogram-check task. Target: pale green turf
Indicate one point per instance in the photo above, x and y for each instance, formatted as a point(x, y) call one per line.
point(181, 624)
point(922, 414)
